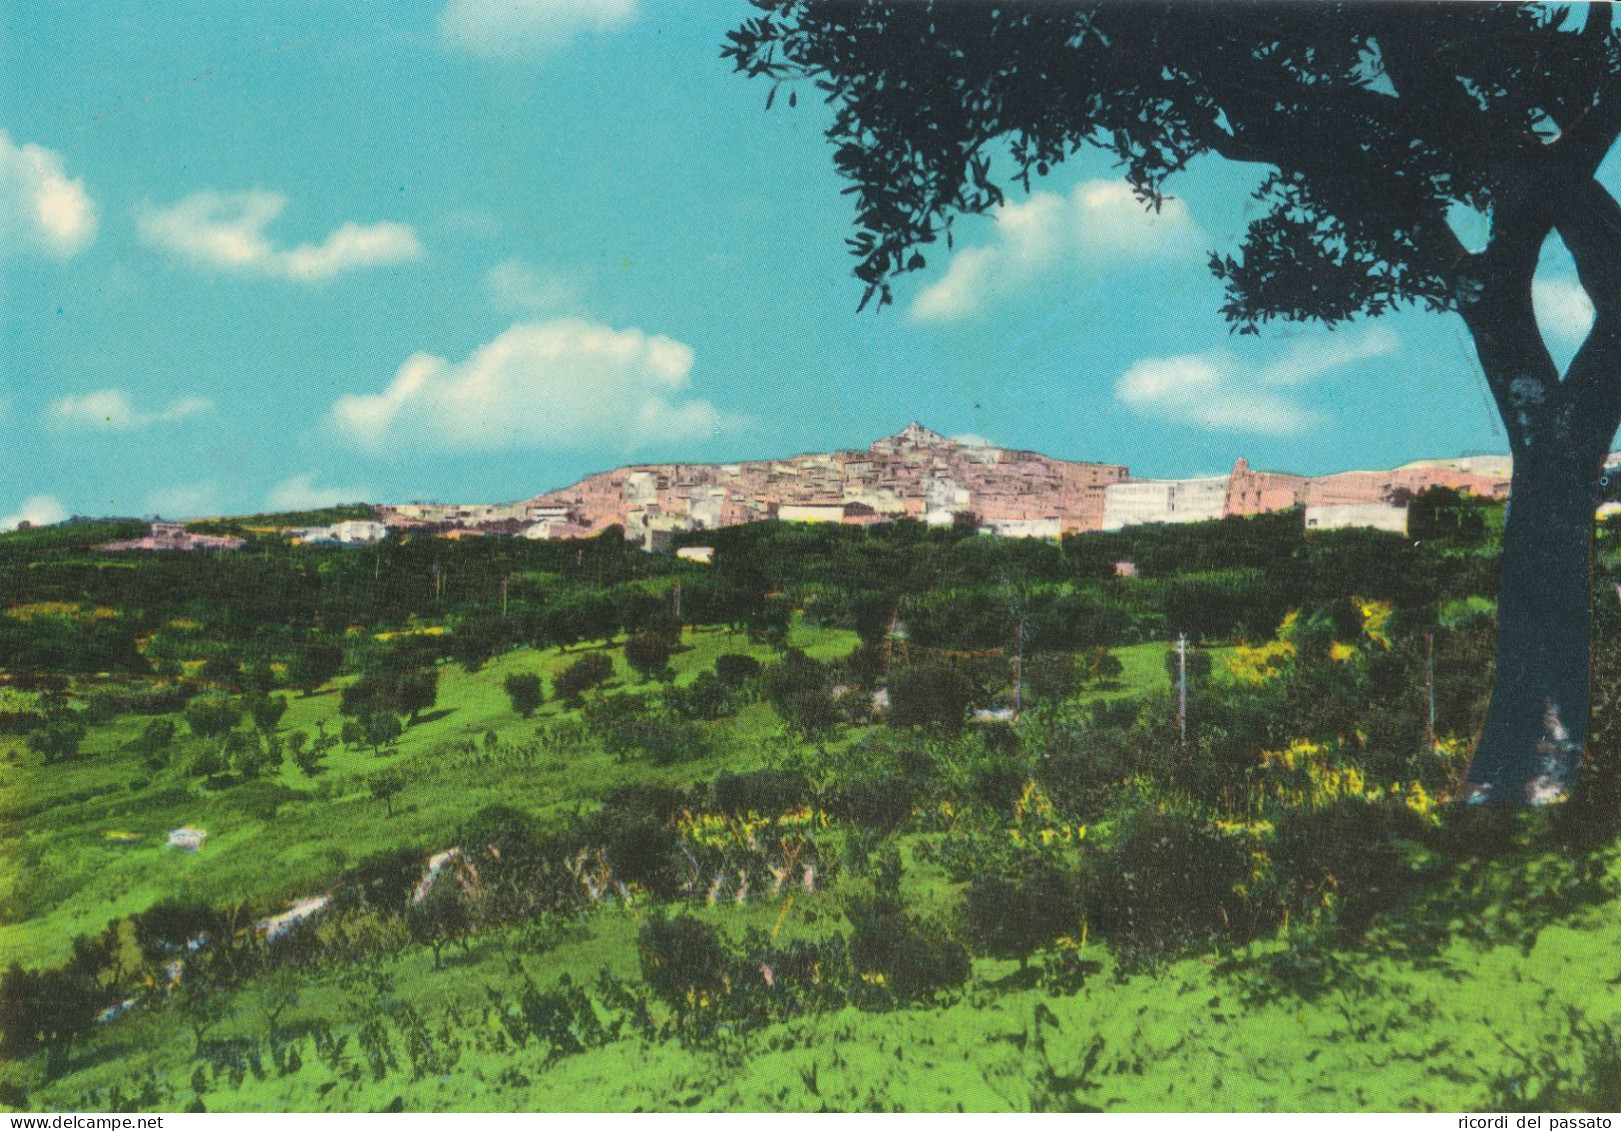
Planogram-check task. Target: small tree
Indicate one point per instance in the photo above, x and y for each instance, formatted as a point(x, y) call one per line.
point(58, 740)
point(267, 711)
point(1103, 666)
point(524, 692)
point(153, 744)
point(385, 787)
point(1011, 916)
point(212, 716)
point(307, 756)
point(380, 729)
point(413, 692)
point(443, 915)
point(315, 662)
point(649, 653)
point(734, 669)
point(582, 675)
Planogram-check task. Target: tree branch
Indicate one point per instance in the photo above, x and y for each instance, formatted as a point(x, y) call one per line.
point(1589, 221)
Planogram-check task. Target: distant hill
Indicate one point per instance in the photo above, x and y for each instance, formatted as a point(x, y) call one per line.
point(921, 474)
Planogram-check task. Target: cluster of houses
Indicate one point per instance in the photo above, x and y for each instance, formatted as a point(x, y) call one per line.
point(915, 474)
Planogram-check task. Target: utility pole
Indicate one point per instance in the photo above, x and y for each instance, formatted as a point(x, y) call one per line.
point(1182, 687)
point(1018, 669)
point(1429, 692)
point(678, 603)
point(503, 595)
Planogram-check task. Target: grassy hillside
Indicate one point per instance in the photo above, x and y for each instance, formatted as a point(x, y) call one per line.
point(743, 882)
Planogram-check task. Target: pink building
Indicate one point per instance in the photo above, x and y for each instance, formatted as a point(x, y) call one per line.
point(174, 536)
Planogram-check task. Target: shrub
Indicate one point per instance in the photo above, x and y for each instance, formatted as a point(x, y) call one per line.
point(801, 690)
point(767, 792)
point(1084, 766)
point(915, 959)
point(628, 725)
point(165, 928)
point(1050, 675)
point(880, 804)
point(932, 696)
point(58, 740)
point(154, 742)
point(382, 881)
point(1011, 916)
point(682, 959)
point(1166, 885)
point(1350, 850)
point(499, 831)
point(705, 699)
point(636, 831)
point(734, 669)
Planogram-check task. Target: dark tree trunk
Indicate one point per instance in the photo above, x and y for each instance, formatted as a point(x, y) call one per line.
point(1531, 747)
point(1560, 427)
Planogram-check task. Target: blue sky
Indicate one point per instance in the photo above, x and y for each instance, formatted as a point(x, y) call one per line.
point(269, 256)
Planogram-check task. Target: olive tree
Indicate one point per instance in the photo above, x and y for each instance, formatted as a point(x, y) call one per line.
point(1373, 122)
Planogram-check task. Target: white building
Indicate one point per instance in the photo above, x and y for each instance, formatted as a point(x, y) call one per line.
point(706, 506)
point(943, 499)
point(1139, 501)
point(702, 554)
point(1343, 516)
point(352, 532)
point(1022, 527)
point(641, 489)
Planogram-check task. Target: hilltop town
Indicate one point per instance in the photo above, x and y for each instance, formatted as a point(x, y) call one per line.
point(922, 475)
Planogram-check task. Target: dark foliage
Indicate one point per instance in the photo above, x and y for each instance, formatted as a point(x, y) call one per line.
point(1166, 885)
point(571, 683)
point(1014, 915)
point(682, 959)
point(935, 697)
point(524, 692)
point(1352, 855)
point(766, 792)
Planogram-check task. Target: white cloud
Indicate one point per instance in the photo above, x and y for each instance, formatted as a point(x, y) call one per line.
point(300, 493)
point(1218, 391)
point(110, 410)
point(1563, 309)
point(557, 385)
point(517, 287)
point(36, 510)
point(1099, 224)
point(42, 209)
point(183, 500)
point(513, 29)
point(226, 232)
